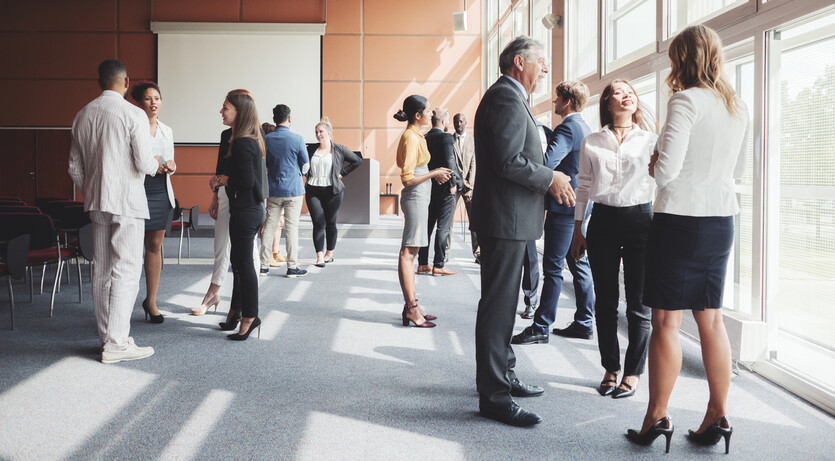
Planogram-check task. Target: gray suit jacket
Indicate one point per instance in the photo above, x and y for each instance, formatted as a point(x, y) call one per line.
point(511, 174)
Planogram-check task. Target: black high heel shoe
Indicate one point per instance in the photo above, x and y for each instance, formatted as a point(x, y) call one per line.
point(721, 429)
point(232, 323)
point(653, 432)
point(153, 318)
point(243, 337)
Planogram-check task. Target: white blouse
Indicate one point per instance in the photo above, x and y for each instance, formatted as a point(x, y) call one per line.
point(162, 144)
point(701, 150)
point(321, 166)
point(612, 174)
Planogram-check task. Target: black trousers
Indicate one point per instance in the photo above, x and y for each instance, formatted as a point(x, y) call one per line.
point(618, 234)
point(323, 206)
point(441, 212)
point(244, 223)
point(501, 273)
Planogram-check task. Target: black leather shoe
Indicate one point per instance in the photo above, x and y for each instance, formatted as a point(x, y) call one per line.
point(529, 310)
point(619, 393)
point(530, 336)
point(574, 330)
point(511, 414)
point(520, 389)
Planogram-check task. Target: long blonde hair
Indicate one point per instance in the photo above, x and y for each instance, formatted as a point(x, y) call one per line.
point(696, 60)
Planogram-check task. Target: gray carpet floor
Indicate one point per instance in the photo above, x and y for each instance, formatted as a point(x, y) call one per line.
point(335, 377)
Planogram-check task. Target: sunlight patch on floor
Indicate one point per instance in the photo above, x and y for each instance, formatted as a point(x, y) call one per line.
point(327, 434)
point(58, 407)
point(366, 338)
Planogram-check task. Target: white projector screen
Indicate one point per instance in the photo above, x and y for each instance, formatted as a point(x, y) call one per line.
point(197, 70)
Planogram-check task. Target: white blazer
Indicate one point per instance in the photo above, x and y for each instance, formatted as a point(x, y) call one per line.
point(701, 149)
point(165, 148)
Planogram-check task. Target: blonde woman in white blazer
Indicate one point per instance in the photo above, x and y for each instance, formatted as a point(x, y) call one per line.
point(159, 192)
point(699, 153)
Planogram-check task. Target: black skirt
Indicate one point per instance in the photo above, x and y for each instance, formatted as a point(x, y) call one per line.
point(159, 207)
point(687, 258)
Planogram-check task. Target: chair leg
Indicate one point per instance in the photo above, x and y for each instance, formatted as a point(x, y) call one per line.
point(11, 298)
point(43, 276)
point(180, 247)
point(188, 237)
point(31, 284)
point(55, 286)
point(78, 272)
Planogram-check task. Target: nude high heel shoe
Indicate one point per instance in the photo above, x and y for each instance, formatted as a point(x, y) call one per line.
point(214, 301)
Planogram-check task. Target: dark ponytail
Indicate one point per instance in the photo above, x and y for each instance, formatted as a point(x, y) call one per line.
point(412, 105)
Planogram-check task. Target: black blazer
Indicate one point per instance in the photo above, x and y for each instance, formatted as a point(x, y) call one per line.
point(442, 155)
point(245, 174)
point(223, 162)
point(511, 176)
point(341, 154)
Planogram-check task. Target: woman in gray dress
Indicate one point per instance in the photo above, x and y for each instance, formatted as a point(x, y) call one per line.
point(412, 158)
point(159, 192)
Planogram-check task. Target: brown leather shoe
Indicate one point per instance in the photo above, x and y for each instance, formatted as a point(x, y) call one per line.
point(277, 256)
point(424, 270)
point(443, 271)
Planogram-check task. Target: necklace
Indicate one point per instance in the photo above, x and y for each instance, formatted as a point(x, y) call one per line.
point(628, 126)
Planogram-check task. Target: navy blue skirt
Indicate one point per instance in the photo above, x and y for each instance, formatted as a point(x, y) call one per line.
point(687, 258)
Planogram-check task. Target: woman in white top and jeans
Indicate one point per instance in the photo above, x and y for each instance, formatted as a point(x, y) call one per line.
point(613, 175)
point(699, 153)
point(324, 189)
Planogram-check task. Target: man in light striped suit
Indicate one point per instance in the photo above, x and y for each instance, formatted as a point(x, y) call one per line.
point(109, 158)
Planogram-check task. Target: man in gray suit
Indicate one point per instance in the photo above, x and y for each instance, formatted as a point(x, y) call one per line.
point(507, 212)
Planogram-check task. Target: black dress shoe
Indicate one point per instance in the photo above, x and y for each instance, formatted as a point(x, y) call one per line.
point(511, 414)
point(574, 330)
point(619, 393)
point(530, 336)
point(520, 389)
point(529, 310)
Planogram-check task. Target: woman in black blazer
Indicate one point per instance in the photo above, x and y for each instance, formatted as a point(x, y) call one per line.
point(246, 209)
point(324, 188)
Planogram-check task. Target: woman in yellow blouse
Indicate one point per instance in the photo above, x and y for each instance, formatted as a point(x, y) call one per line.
point(412, 158)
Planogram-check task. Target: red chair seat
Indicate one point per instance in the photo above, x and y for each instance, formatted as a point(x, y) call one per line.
point(176, 225)
point(46, 255)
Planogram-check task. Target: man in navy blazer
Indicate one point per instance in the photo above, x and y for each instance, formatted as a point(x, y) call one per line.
point(563, 154)
point(507, 212)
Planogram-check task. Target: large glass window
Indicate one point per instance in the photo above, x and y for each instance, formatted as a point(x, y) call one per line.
point(492, 7)
point(629, 29)
point(521, 19)
point(738, 281)
point(581, 38)
point(540, 8)
point(685, 12)
point(492, 59)
point(800, 245)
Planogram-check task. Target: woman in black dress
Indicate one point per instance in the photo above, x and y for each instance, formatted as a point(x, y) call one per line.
point(159, 192)
point(246, 209)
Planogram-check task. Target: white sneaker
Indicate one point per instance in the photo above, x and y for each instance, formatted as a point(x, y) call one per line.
point(132, 352)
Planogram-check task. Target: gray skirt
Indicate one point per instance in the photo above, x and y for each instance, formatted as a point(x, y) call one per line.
point(414, 201)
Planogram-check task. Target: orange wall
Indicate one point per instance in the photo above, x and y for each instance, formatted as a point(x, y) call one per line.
point(375, 53)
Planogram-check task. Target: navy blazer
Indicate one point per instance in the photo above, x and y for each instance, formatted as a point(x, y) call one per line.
point(563, 154)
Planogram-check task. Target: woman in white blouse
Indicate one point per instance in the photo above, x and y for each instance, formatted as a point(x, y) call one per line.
point(324, 189)
point(158, 191)
point(699, 153)
point(613, 175)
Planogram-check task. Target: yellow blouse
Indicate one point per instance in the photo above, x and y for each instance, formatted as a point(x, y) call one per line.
point(411, 152)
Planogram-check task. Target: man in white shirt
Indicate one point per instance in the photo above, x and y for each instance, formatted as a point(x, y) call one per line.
point(109, 158)
point(464, 149)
